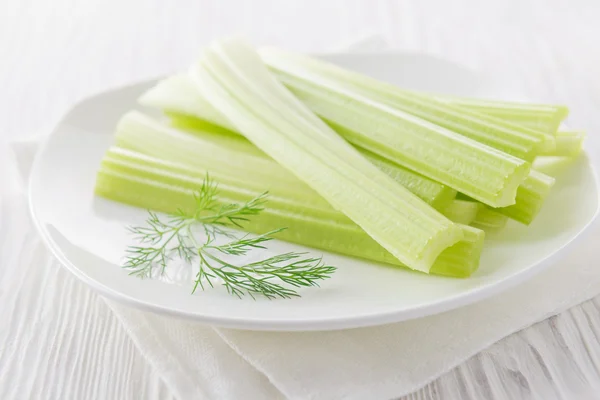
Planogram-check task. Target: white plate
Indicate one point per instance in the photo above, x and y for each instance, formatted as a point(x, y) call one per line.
point(87, 234)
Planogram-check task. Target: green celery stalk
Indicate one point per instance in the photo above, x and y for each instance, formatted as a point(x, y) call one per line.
point(437, 195)
point(462, 211)
point(526, 207)
point(530, 198)
point(148, 182)
point(433, 193)
point(225, 156)
point(234, 80)
point(198, 144)
point(177, 93)
point(464, 165)
point(489, 218)
point(568, 144)
point(544, 117)
point(442, 155)
point(304, 74)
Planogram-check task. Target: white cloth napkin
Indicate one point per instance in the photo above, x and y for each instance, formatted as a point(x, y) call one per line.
point(376, 363)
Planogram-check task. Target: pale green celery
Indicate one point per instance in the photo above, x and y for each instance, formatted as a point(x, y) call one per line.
point(462, 211)
point(189, 121)
point(568, 144)
point(176, 94)
point(548, 127)
point(174, 171)
point(468, 166)
point(489, 175)
point(437, 195)
point(553, 166)
point(225, 156)
point(544, 117)
point(148, 182)
point(442, 155)
point(177, 91)
point(522, 201)
point(234, 80)
point(199, 145)
point(300, 73)
point(489, 218)
point(530, 198)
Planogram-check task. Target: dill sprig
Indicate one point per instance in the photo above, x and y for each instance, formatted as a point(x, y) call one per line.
point(161, 240)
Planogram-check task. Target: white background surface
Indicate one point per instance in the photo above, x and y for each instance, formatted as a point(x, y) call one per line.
point(54, 53)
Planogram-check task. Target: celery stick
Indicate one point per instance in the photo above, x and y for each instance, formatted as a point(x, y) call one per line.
point(545, 117)
point(437, 195)
point(462, 211)
point(178, 90)
point(200, 150)
point(232, 77)
point(553, 166)
point(201, 146)
point(176, 94)
point(568, 144)
point(301, 73)
point(227, 156)
point(485, 174)
point(548, 127)
point(530, 198)
point(148, 182)
point(442, 155)
point(127, 161)
point(489, 218)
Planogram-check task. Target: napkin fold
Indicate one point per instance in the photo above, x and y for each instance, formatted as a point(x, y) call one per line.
point(382, 362)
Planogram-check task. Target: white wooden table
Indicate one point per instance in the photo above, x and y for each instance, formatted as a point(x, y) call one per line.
point(53, 53)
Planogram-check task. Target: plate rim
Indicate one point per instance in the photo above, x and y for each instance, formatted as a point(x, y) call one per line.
point(356, 321)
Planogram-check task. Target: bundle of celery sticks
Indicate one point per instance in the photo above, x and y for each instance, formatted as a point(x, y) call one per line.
point(352, 165)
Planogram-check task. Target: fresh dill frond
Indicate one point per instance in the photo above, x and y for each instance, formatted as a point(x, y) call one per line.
point(161, 240)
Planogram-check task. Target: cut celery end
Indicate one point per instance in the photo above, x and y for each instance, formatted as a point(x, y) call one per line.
point(436, 194)
point(236, 82)
point(568, 144)
point(462, 211)
point(544, 117)
point(489, 218)
point(161, 191)
point(461, 259)
point(530, 198)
